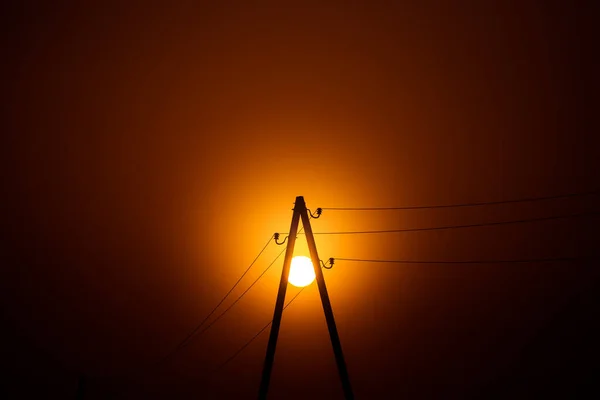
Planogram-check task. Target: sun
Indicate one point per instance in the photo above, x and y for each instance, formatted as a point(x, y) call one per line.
point(302, 272)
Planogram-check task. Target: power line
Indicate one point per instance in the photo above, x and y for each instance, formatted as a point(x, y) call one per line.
point(188, 339)
point(182, 343)
point(555, 259)
point(436, 228)
point(253, 337)
point(523, 200)
point(207, 327)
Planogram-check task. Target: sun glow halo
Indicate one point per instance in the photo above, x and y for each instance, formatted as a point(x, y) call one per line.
point(302, 272)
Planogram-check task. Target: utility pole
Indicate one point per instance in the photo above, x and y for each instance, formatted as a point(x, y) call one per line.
point(300, 211)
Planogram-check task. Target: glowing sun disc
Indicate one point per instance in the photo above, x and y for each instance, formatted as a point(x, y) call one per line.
point(302, 272)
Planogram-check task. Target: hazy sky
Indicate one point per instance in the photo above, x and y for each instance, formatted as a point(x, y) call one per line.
point(150, 151)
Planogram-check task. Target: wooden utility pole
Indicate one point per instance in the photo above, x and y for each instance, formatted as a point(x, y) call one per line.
point(300, 211)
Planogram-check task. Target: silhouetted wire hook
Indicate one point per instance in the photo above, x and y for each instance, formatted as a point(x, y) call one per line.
point(330, 261)
point(317, 213)
point(276, 237)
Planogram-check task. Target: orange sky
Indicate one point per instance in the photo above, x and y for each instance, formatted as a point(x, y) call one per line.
point(148, 153)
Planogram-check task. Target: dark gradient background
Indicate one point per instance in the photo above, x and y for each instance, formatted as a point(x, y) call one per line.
point(148, 152)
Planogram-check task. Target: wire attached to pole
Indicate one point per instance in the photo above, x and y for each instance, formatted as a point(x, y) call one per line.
point(207, 327)
point(531, 260)
point(191, 335)
point(317, 213)
point(457, 205)
point(331, 261)
point(184, 341)
point(445, 227)
point(276, 237)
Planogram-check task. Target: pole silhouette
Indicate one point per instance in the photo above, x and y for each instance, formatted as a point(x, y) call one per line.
point(300, 212)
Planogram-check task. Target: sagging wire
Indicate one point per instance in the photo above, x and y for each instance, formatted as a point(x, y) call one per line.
point(456, 205)
point(530, 260)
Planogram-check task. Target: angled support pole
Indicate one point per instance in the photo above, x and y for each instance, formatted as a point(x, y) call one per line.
point(289, 252)
point(300, 211)
point(333, 333)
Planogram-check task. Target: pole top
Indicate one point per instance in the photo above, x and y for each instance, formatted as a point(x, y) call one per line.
point(299, 203)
